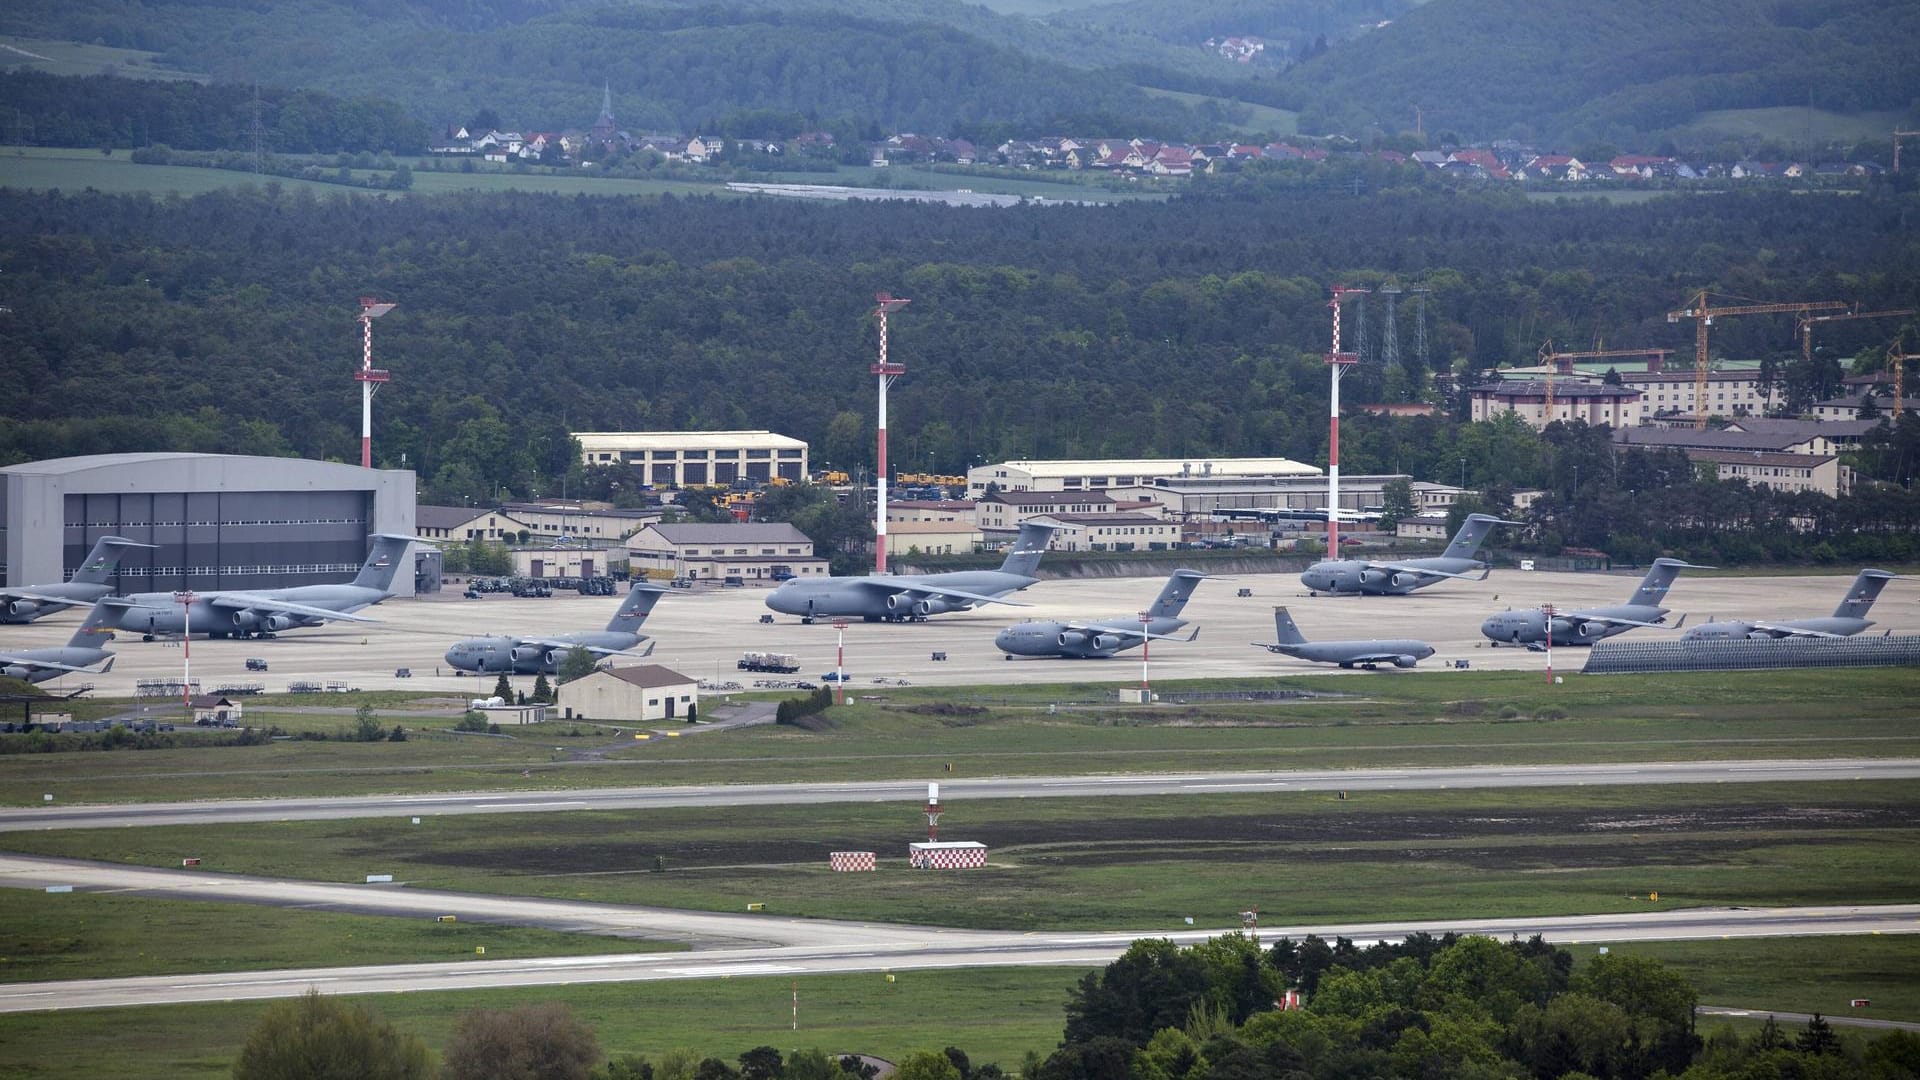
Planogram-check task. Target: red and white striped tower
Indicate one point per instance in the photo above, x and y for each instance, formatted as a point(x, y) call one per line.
point(886, 372)
point(840, 662)
point(185, 599)
point(1547, 611)
point(369, 376)
point(933, 813)
point(1146, 640)
point(1337, 364)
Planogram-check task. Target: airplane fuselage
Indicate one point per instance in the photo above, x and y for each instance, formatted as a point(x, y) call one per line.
point(887, 597)
point(518, 656)
point(1079, 640)
point(70, 656)
point(1570, 628)
point(157, 614)
point(1349, 577)
point(1400, 652)
point(1736, 629)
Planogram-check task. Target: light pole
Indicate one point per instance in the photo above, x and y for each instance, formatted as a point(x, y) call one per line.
point(840, 662)
point(1146, 639)
point(1547, 611)
point(185, 599)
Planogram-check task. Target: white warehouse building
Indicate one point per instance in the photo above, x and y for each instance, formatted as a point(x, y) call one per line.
point(1123, 473)
point(673, 459)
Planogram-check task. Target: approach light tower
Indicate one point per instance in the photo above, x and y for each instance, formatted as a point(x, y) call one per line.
point(1337, 364)
point(368, 376)
point(886, 372)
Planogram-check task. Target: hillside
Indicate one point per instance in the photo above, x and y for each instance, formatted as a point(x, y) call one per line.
point(1625, 72)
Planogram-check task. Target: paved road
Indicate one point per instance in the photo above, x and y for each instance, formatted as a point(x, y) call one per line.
point(931, 949)
point(1788, 1019)
point(54, 816)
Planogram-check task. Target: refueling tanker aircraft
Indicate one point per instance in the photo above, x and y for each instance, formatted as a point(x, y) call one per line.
point(85, 649)
point(1848, 619)
point(1101, 638)
point(1401, 576)
point(904, 598)
point(544, 655)
point(265, 612)
point(1588, 625)
point(1400, 652)
point(89, 583)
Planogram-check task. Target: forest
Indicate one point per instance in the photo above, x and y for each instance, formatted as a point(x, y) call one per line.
point(1562, 72)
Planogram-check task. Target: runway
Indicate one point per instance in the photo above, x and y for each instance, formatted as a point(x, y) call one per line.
point(96, 816)
point(702, 632)
point(910, 950)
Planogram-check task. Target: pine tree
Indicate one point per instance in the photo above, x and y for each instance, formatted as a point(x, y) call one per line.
point(541, 691)
point(503, 689)
point(1818, 1038)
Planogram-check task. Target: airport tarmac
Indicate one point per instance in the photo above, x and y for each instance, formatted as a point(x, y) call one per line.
point(702, 632)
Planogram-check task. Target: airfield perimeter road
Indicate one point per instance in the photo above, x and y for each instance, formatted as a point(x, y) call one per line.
point(703, 631)
point(838, 947)
point(99, 816)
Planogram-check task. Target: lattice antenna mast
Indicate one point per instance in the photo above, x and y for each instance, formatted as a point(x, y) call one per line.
point(1337, 364)
point(369, 377)
point(1390, 335)
point(885, 372)
point(1419, 295)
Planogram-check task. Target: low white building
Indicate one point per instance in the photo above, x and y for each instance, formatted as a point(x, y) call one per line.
point(673, 459)
point(932, 537)
point(757, 550)
point(641, 693)
point(559, 562)
point(459, 524)
point(581, 520)
point(1088, 475)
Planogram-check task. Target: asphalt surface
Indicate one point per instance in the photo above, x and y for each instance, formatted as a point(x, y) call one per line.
point(1788, 1019)
point(702, 632)
point(847, 947)
point(55, 816)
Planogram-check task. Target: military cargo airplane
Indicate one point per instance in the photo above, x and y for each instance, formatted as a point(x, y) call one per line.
point(89, 583)
point(878, 597)
point(85, 649)
point(544, 655)
point(1588, 625)
point(1400, 652)
point(1401, 576)
point(265, 612)
point(1848, 619)
point(1100, 638)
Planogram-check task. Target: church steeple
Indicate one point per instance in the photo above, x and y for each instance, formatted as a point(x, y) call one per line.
point(604, 128)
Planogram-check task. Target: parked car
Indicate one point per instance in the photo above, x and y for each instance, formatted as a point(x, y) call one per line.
point(834, 676)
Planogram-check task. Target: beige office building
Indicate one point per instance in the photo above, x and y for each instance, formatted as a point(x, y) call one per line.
point(673, 459)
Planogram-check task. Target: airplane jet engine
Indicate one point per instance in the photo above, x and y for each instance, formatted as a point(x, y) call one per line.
point(527, 654)
point(1404, 661)
point(1107, 641)
point(23, 607)
point(273, 624)
point(1071, 638)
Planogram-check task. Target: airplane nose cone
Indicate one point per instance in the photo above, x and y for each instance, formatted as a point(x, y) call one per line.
point(1490, 628)
point(782, 601)
point(453, 658)
point(1003, 641)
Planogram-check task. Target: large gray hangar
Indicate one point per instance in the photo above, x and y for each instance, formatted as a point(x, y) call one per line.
point(218, 521)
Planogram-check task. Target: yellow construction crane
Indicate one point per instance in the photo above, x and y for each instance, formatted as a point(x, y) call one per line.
point(1897, 359)
point(1702, 312)
point(1552, 361)
point(1807, 321)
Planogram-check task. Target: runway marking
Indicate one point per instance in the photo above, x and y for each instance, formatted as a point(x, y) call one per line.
point(527, 806)
point(735, 969)
point(247, 982)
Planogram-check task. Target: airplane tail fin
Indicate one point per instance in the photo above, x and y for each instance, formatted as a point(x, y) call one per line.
point(103, 560)
point(1474, 530)
point(1860, 597)
point(1175, 594)
point(97, 629)
point(634, 609)
point(1023, 558)
point(1284, 631)
point(1653, 587)
point(389, 551)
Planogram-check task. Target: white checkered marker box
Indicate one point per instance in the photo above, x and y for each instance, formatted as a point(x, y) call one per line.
point(947, 855)
point(843, 861)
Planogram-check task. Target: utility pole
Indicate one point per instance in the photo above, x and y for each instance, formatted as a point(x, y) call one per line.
point(885, 372)
point(369, 377)
point(1337, 364)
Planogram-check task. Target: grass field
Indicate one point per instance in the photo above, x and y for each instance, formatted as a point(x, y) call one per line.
point(74, 58)
point(1139, 863)
point(96, 936)
point(995, 1015)
point(1794, 125)
point(1261, 119)
point(1448, 718)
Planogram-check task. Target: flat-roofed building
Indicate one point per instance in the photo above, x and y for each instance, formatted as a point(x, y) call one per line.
point(1595, 403)
point(1781, 472)
point(567, 561)
point(1791, 437)
point(1003, 511)
point(1114, 532)
point(1304, 497)
point(1848, 407)
point(1084, 475)
point(749, 550)
point(932, 537)
point(459, 524)
point(674, 459)
point(948, 510)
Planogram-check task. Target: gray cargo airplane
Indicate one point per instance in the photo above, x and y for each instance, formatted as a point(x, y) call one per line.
point(544, 655)
point(266, 612)
point(79, 654)
point(891, 598)
point(1401, 576)
point(1588, 625)
point(1400, 652)
point(1101, 638)
point(1848, 619)
point(89, 583)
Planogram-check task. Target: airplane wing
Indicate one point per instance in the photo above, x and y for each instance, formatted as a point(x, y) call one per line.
point(594, 649)
point(1611, 620)
point(238, 601)
point(1123, 631)
point(1400, 568)
point(44, 598)
point(923, 589)
point(1374, 658)
point(1793, 631)
point(28, 661)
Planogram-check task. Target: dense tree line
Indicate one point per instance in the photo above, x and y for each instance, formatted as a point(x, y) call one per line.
point(106, 111)
point(1191, 328)
point(1464, 1008)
